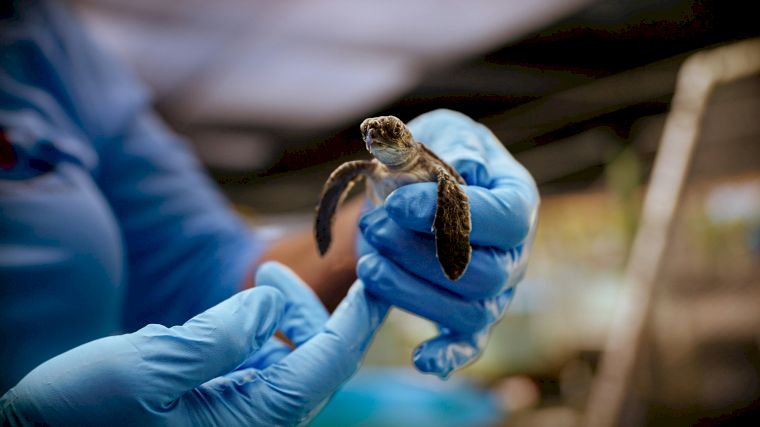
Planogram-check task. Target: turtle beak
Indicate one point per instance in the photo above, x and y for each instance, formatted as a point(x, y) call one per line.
point(368, 139)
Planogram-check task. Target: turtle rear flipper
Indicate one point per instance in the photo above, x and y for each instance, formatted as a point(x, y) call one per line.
point(334, 191)
point(452, 226)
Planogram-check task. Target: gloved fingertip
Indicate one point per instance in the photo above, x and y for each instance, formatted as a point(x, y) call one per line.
point(375, 277)
point(269, 304)
point(413, 205)
point(369, 217)
point(363, 247)
point(266, 296)
point(446, 353)
point(473, 171)
point(268, 270)
point(396, 203)
point(428, 363)
point(363, 223)
point(303, 313)
point(368, 265)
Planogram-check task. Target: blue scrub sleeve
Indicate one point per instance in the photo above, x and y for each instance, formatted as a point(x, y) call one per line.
point(186, 250)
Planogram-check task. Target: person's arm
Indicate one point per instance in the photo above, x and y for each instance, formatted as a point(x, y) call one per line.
point(184, 248)
point(221, 368)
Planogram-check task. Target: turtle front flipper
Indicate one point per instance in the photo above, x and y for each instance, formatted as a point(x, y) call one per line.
point(335, 190)
point(452, 226)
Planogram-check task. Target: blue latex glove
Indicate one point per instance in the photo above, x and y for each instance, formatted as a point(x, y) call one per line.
point(192, 374)
point(399, 263)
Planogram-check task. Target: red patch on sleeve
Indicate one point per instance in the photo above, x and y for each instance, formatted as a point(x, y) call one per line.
point(7, 153)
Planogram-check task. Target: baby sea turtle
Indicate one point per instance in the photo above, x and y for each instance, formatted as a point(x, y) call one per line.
point(400, 160)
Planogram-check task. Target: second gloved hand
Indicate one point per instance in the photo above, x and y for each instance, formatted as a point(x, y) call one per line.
point(399, 263)
point(221, 368)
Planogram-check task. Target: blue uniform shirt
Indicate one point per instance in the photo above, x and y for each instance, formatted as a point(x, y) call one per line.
point(107, 221)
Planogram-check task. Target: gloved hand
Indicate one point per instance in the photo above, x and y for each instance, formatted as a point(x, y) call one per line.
point(399, 264)
point(192, 374)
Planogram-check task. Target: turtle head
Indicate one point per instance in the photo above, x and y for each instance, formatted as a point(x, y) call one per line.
point(388, 139)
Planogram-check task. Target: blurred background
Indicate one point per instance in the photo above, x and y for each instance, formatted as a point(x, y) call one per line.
point(270, 95)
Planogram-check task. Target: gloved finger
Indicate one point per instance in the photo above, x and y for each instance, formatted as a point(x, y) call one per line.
point(392, 283)
point(270, 353)
point(296, 386)
point(501, 217)
point(357, 318)
point(304, 315)
point(415, 252)
point(453, 350)
point(362, 246)
point(448, 352)
point(210, 344)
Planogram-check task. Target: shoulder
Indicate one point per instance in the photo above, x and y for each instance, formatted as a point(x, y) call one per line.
point(52, 67)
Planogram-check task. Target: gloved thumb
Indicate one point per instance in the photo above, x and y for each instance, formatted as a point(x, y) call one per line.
point(314, 371)
point(209, 345)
